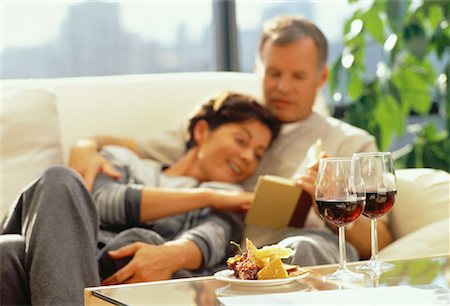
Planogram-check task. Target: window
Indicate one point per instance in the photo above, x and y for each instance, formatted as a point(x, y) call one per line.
point(328, 15)
point(78, 38)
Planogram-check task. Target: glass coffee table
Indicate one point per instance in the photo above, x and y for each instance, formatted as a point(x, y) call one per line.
point(430, 272)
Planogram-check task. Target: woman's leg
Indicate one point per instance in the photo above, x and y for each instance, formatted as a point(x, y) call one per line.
point(109, 266)
point(14, 288)
point(57, 219)
point(315, 247)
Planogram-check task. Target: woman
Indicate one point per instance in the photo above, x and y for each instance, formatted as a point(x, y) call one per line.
point(156, 221)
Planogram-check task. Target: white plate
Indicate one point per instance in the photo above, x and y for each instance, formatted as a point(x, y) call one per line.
point(227, 276)
point(233, 290)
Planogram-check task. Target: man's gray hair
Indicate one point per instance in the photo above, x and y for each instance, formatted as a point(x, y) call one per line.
point(285, 29)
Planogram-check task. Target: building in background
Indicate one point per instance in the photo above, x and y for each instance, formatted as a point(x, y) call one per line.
point(107, 38)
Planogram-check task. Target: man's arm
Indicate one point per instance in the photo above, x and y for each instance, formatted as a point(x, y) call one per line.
point(358, 234)
point(126, 142)
point(86, 160)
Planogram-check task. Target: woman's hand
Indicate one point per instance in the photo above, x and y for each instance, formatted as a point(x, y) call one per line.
point(226, 200)
point(154, 262)
point(85, 160)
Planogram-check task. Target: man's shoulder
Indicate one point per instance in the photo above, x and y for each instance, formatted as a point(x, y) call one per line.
point(340, 126)
point(164, 146)
point(339, 137)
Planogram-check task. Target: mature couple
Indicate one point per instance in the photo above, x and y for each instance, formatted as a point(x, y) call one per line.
point(175, 217)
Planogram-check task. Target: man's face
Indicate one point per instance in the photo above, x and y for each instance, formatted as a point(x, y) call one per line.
point(290, 78)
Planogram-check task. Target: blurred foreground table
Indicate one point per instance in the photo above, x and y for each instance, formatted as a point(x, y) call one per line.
point(422, 273)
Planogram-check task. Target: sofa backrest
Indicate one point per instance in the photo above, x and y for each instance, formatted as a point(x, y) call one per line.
point(130, 105)
point(68, 109)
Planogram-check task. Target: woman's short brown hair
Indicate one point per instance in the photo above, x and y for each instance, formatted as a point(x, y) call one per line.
point(231, 107)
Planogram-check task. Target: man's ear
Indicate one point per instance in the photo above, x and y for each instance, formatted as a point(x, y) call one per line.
point(200, 132)
point(323, 76)
point(258, 69)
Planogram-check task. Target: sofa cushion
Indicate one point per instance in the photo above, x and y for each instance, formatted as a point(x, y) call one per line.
point(30, 139)
point(432, 239)
point(422, 199)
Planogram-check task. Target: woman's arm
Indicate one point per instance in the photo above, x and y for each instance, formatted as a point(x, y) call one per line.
point(157, 203)
point(119, 203)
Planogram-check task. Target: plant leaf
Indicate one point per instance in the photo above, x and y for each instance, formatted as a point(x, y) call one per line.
point(415, 39)
point(412, 88)
point(390, 119)
point(374, 24)
point(395, 11)
point(355, 85)
point(435, 16)
point(441, 39)
point(334, 79)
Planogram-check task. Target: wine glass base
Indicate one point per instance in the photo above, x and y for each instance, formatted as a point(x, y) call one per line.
point(375, 266)
point(343, 274)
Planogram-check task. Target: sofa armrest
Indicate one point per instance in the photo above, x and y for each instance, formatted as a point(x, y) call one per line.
point(30, 140)
point(429, 240)
point(422, 199)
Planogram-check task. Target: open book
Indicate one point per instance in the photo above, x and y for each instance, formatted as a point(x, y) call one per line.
point(278, 203)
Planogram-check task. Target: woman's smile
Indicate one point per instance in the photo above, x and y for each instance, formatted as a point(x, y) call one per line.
point(235, 168)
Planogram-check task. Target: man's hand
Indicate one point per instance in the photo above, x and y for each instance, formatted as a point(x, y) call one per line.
point(307, 181)
point(85, 159)
point(154, 262)
point(225, 200)
point(149, 263)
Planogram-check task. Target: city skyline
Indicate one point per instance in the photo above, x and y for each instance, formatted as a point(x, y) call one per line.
point(40, 22)
point(94, 39)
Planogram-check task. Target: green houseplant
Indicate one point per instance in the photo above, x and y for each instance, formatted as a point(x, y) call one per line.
point(413, 39)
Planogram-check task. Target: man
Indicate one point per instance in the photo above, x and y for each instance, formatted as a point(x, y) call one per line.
point(291, 65)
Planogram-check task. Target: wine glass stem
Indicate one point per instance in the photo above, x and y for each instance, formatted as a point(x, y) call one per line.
point(374, 239)
point(342, 253)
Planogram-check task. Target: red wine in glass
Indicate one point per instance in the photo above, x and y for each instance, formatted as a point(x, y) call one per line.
point(377, 204)
point(378, 172)
point(340, 212)
point(340, 198)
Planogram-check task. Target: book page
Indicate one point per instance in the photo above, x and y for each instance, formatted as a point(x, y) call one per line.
point(276, 202)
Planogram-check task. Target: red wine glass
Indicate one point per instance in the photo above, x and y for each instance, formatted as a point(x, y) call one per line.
point(340, 197)
point(378, 173)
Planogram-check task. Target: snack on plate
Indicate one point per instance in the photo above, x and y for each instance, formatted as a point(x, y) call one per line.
point(264, 263)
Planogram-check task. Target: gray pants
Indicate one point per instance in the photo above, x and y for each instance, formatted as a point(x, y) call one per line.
point(312, 246)
point(316, 247)
point(48, 244)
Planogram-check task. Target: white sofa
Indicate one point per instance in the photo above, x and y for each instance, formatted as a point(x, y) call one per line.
point(41, 119)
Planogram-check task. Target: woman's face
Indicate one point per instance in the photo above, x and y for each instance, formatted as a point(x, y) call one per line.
point(232, 152)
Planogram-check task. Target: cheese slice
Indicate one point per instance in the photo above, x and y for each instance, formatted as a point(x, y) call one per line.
point(273, 270)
